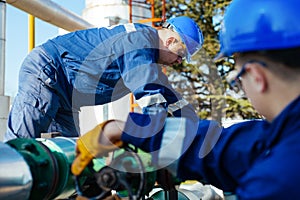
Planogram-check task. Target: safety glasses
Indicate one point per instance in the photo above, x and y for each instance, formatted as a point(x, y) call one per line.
point(183, 53)
point(236, 83)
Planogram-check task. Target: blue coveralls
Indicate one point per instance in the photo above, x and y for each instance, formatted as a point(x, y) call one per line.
point(256, 160)
point(89, 67)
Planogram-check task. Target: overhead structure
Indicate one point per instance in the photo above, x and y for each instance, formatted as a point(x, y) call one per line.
point(150, 4)
point(52, 13)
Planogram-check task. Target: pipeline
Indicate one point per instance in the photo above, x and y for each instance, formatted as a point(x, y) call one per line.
point(36, 169)
point(52, 13)
point(40, 168)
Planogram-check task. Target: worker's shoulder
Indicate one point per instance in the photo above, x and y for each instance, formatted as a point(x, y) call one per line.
point(136, 28)
point(140, 34)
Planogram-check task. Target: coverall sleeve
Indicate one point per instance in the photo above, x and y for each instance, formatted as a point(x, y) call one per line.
point(201, 150)
point(143, 76)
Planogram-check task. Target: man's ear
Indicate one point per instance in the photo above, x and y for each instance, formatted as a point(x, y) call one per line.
point(258, 76)
point(169, 41)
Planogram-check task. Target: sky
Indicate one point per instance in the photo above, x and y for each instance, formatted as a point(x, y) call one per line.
point(17, 38)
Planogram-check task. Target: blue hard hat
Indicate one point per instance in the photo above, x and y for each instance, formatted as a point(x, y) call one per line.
point(189, 32)
point(260, 25)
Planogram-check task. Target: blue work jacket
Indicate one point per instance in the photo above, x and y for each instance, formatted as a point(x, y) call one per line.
point(101, 65)
point(254, 159)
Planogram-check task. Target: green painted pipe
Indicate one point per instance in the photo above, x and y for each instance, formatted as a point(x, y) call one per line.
point(49, 161)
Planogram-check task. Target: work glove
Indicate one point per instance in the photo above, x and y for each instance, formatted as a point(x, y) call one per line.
point(88, 147)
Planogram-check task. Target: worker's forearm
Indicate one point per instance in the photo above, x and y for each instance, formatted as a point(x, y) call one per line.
point(138, 130)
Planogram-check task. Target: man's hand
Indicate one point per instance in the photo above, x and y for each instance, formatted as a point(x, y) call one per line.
point(93, 144)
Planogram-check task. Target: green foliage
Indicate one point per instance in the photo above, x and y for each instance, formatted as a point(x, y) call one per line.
point(204, 83)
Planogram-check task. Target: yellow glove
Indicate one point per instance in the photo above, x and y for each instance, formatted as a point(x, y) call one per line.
point(88, 147)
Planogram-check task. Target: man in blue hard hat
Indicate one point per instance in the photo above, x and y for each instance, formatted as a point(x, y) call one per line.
point(256, 159)
point(98, 66)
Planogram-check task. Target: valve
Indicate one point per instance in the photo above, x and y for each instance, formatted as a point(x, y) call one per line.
point(127, 175)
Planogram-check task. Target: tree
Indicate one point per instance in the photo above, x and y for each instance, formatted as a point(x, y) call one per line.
point(205, 83)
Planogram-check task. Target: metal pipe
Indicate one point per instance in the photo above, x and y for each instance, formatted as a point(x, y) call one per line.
point(4, 100)
point(130, 10)
point(2, 45)
point(37, 168)
point(15, 176)
point(163, 16)
point(64, 150)
point(152, 11)
point(31, 30)
point(52, 13)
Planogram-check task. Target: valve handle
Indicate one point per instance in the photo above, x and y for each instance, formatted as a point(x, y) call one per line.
point(118, 175)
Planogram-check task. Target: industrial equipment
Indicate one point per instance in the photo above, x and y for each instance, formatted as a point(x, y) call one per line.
point(40, 169)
